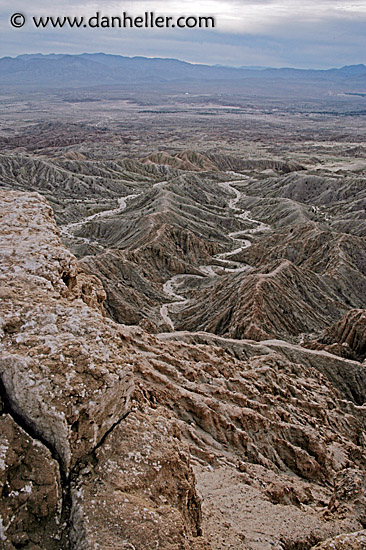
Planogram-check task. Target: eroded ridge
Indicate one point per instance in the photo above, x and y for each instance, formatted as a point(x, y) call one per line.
point(67, 400)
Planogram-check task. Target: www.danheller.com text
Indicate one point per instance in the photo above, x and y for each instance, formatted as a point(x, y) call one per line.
point(148, 20)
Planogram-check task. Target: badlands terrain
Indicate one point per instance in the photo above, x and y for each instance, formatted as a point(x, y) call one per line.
point(183, 321)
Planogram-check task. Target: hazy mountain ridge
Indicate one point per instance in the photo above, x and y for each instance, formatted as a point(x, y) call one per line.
point(98, 69)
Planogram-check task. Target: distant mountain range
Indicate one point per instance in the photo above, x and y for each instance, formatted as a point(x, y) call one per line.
point(103, 69)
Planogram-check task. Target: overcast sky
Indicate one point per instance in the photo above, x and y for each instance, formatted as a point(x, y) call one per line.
point(276, 33)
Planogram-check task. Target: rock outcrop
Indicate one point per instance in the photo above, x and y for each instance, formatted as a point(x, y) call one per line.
point(140, 492)
point(350, 541)
point(30, 489)
point(346, 338)
point(68, 379)
point(66, 385)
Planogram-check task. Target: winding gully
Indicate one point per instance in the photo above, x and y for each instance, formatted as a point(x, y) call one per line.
point(179, 301)
point(69, 229)
point(170, 287)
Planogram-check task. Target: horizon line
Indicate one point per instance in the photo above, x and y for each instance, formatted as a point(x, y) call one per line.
point(217, 65)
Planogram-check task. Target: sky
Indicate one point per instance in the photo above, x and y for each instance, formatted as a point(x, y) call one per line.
point(271, 33)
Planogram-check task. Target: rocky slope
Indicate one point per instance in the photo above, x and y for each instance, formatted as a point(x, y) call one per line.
point(353, 541)
point(181, 440)
point(293, 273)
point(66, 386)
point(345, 338)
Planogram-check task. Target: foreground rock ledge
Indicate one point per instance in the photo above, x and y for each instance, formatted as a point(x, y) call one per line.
point(66, 383)
point(63, 367)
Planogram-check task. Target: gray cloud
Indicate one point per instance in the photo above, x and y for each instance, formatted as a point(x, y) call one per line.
point(315, 33)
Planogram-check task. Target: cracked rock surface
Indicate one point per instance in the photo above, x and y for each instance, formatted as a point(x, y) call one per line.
point(30, 508)
point(66, 384)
